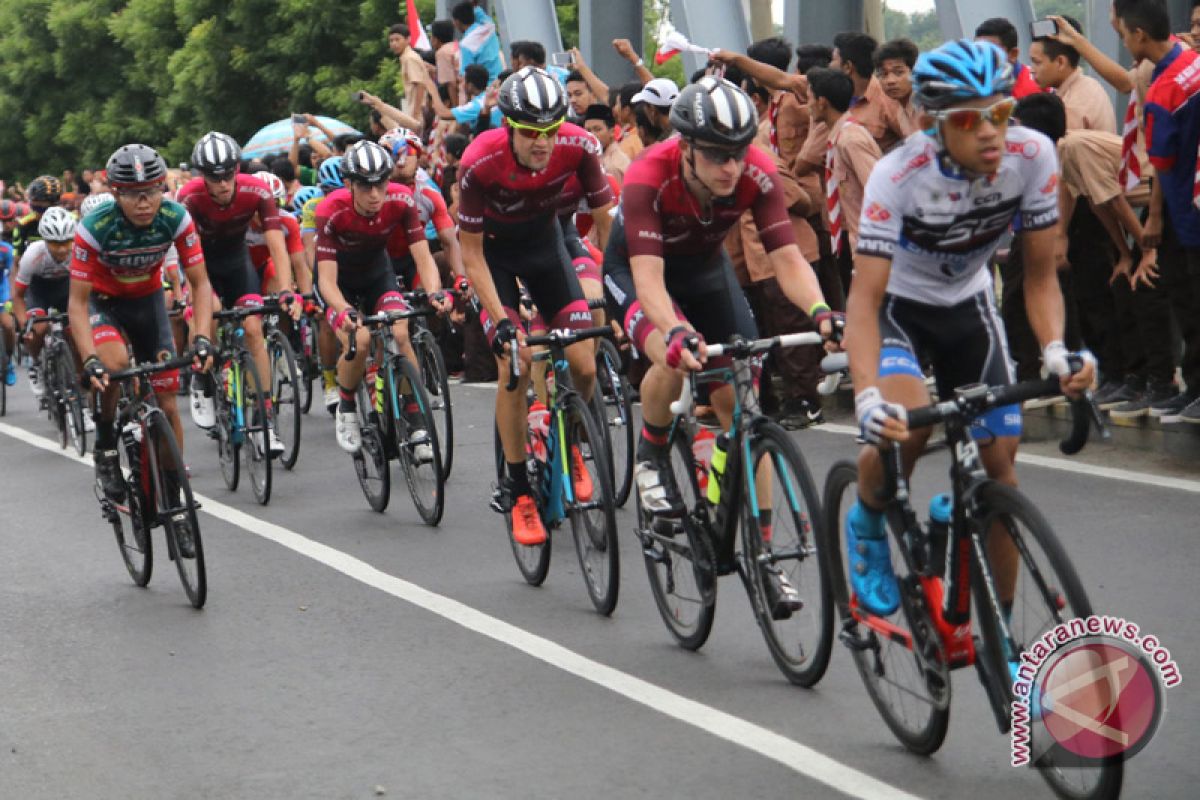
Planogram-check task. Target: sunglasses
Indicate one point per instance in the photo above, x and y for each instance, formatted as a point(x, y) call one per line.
point(382, 182)
point(969, 119)
point(148, 193)
point(535, 131)
point(721, 156)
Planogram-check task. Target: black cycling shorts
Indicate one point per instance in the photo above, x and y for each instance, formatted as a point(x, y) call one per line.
point(581, 257)
point(143, 324)
point(234, 280)
point(370, 287)
point(43, 295)
point(965, 343)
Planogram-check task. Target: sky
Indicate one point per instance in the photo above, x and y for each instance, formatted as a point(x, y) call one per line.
point(907, 6)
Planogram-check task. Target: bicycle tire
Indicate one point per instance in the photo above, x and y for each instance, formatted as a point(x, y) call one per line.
point(614, 406)
point(437, 386)
point(424, 476)
point(192, 571)
point(891, 657)
point(128, 518)
point(533, 562)
point(371, 461)
point(255, 448)
point(1061, 598)
point(68, 384)
point(52, 394)
point(285, 400)
point(307, 368)
point(796, 519)
point(4, 356)
point(699, 600)
point(228, 444)
point(593, 529)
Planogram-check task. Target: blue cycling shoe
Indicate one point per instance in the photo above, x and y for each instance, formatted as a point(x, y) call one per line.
point(10, 374)
point(871, 575)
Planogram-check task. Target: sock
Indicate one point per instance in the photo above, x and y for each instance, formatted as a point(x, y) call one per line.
point(867, 521)
point(346, 401)
point(518, 478)
point(329, 376)
point(653, 443)
point(106, 435)
point(764, 524)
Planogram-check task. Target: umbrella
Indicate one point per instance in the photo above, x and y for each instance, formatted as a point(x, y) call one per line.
point(277, 137)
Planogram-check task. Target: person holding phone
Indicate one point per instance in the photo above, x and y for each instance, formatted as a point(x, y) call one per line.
point(1056, 66)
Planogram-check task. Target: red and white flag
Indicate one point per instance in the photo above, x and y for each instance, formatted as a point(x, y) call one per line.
point(416, 31)
point(671, 43)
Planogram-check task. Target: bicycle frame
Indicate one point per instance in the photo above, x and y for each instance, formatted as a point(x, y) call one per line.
point(385, 344)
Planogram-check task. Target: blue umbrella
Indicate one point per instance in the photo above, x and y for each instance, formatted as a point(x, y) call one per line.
point(277, 137)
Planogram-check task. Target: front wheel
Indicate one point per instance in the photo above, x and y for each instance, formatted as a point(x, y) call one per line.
point(286, 400)
point(1047, 593)
point(371, 461)
point(781, 517)
point(415, 436)
point(592, 512)
point(533, 562)
point(68, 385)
point(229, 435)
point(256, 421)
point(437, 387)
point(613, 403)
point(128, 517)
point(176, 508)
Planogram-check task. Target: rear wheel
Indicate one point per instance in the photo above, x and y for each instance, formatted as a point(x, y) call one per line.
point(128, 517)
point(304, 346)
point(532, 562)
point(420, 455)
point(613, 404)
point(176, 508)
point(593, 518)
point(437, 386)
point(229, 436)
point(371, 461)
point(286, 402)
point(4, 360)
point(256, 418)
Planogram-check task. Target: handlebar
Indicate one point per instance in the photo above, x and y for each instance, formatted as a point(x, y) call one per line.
point(61, 317)
point(562, 337)
point(738, 348)
point(142, 370)
point(834, 366)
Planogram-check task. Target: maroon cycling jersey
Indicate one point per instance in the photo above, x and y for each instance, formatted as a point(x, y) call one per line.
point(224, 228)
point(496, 192)
point(662, 218)
point(357, 239)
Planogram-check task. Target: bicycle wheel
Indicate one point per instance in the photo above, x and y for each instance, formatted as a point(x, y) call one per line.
point(304, 342)
point(255, 419)
point(229, 436)
point(1047, 593)
point(679, 560)
point(128, 517)
point(4, 356)
point(437, 386)
point(614, 409)
point(175, 506)
point(56, 407)
point(420, 458)
point(801, 643)
point(371, 461)
point(68, 385)
point(533, 562)
point(593, 518)
point(900, 659)
point(285, 395)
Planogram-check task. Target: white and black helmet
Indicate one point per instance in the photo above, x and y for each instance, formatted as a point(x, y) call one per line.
point(94, 201)
point(216, 155)
point(367, 161)
point(57, 225)
point(713, 111)
point(531, 95)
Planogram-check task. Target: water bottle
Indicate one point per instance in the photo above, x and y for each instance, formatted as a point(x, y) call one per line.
point(720, 452)
point(374, 382)
point(539, 430)
point(940, 509)
point(702, 451)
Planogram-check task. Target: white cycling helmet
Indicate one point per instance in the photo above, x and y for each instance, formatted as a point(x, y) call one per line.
point(94, 201)
point(57, 225)
point(274, 183)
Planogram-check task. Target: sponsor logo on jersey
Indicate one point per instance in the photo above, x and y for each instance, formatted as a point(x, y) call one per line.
point(191, 240)
point(579, 316)
point(652, 235)
point(914, 164)
point(614, 290)
point(1051, 185)
point(1028, 149)
point(987, 199)
point(760, 177)
point(877, 213)
point(81, 253)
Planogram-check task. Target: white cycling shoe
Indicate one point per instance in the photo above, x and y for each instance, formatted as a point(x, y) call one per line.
point(345, 427)
point(204, 410)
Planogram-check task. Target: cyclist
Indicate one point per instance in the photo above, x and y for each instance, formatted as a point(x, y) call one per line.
point(43, 192)
point(8, 219)
point(329, 179)
point(354, 271)
point(260, 254)
point(7, 327)
point(42, 282)
point(933, 213)
point(222, 202)
point(116, 296)
point(670, 280)
point(510, 179)
point(94, 201)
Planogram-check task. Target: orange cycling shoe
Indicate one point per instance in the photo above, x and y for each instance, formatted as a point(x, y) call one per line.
point(527, 527)
point(582, 480)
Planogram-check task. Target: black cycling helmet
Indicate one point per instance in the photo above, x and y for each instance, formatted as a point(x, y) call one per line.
point(713, 111)
point(532, 96)
point(8, 210)
point(367, 161)
point(216, 155)
point(135, 165)
point(45, 190)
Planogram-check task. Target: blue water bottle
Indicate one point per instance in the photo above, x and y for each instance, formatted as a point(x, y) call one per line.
point(940, 509)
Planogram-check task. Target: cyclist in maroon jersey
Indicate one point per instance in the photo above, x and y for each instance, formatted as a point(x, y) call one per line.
point(222, 201)
point(668, 275)
point(354, 271)
point(510, 179)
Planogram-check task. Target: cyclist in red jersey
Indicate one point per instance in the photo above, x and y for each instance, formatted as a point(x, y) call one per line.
point(666, 272)
point(260, 254)
point(116, 294)
point(222, 201)
point(510, 180)
point(354, 271)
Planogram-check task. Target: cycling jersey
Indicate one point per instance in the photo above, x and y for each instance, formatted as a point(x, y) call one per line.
point(123, 261)
point(345, 236)
point(223, 228)
point(308, 214)
point(431, 209)
point(662, 218)
point(38, 263)
point(510, 201)
point(256, 240)
point(940, 227)
point(6, 264)
point(26, 232)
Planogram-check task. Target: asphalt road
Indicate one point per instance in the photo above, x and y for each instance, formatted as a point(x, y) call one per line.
point(349, 654)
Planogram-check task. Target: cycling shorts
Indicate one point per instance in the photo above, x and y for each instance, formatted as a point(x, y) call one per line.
point(234, 280)
point(43, 295)
point(143, 324)
point(581, 257)
point(406, 272)
point(543, 265)
point(965, 343)
point(370, 288)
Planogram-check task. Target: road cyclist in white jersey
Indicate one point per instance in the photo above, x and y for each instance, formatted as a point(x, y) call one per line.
point(933, 213)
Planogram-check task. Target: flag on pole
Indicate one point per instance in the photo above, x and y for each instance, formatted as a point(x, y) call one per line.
point(416, 31)
point(671, 43)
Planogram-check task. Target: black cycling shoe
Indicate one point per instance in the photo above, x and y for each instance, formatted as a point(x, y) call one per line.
point(183, 537)
point(782, 596)
point(108, 474)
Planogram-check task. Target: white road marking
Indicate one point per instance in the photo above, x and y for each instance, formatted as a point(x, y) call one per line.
point(791, 754)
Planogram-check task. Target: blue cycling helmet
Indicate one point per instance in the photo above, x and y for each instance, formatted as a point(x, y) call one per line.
point(329, 175)
point(961, 70)
point(303, 195)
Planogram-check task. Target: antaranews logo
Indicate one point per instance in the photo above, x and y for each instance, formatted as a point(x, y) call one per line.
point(1089, 691)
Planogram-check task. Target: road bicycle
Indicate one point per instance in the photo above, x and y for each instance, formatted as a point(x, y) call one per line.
point(612, 403)
point(157, 491)
point(766, 489)
point(63, 396)
point(567, 448)
point(436, 379)
point(288, 387)
point(905, 659)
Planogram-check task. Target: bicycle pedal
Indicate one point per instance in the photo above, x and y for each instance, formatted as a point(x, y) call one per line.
point(851, 638)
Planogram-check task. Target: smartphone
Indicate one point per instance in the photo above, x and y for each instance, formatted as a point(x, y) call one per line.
point(299, 119)
point(183, 167)
point(356, 96)
point(561, 59)
point(1043, 28)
